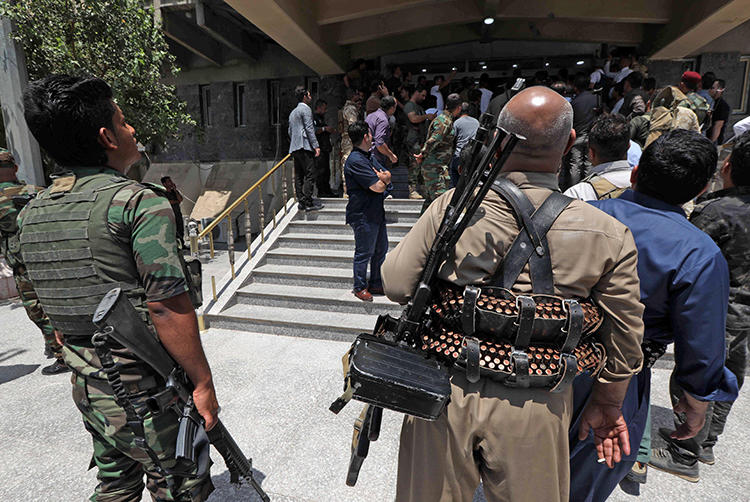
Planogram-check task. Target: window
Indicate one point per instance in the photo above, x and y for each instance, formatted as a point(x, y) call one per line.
point(745, 61)
point(312, 84)
point(274, 98)
point(239, 105)
point(204, 95)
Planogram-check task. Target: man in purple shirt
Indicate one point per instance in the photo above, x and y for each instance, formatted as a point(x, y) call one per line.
point(380, 129)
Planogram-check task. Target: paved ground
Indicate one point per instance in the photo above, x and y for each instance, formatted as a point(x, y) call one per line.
point(274, 392)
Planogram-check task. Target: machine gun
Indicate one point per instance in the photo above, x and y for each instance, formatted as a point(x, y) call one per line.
point(117, 319)
point(485, 164)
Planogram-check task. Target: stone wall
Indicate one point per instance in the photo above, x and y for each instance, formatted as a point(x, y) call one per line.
point(258, 140)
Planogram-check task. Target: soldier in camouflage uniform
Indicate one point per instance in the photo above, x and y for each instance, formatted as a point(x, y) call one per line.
point(108, 231)
point(437, 152)
point(725, 216)
point(347, 116)
point(11, 188)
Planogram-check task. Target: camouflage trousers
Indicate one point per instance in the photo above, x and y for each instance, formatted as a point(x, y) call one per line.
point(120, 462)
point(34, 311)
point(415, 170)
point(437, 181)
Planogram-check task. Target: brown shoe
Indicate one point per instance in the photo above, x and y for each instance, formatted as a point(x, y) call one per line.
point(376, 291)
point(363, 295)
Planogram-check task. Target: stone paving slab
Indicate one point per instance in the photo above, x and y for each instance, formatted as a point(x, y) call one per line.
point(274, 393)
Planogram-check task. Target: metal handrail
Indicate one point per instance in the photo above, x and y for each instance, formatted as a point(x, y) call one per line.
point(226, 215)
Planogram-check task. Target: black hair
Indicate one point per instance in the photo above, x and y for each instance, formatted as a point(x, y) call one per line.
point(417, 88)
point(436, 78)
point(300, 93)
point(635, 79)
point(739, 160)
point(475, 95)
point(722, 83)
point(677, 166)
point(609, 137)
point(708, 79)
point(65, 114)
point(374, 86)
point(453, 101)
point(649, 84)
point(387, 102)
point(581, 82)
point(357, 132)
point(165, 178)
point(320, 102)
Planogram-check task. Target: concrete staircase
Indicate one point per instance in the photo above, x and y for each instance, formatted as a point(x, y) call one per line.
point(299, 282)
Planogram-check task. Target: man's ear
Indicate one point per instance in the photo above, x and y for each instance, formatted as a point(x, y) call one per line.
point(107, 139)
point(633, 176)
point(726, 167)
point(571, 140)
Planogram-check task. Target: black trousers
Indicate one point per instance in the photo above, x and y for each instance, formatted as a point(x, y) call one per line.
point(323, 174)
point(304, 174)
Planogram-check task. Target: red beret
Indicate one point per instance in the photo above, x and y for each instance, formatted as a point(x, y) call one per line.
point(691, 76)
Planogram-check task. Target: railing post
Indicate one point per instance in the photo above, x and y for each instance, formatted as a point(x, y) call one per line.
point(248, 231)
point(193, 235)
point(283, 186)
point(230, 243)
point(261, 214)
point(211, 243)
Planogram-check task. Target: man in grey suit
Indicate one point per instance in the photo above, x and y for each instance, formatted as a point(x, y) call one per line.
point(304, 148)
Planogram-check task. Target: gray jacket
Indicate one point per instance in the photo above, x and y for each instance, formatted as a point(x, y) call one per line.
point(301, 129)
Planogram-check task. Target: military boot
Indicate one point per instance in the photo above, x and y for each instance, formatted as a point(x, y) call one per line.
point(55, 368)
point(413, 193)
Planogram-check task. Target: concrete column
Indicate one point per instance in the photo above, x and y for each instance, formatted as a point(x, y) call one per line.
point(13, 81)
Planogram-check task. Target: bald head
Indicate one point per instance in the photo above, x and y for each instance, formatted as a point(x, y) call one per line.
point(544, 118)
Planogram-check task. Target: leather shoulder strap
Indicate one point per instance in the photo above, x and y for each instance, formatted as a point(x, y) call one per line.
point(524, 249)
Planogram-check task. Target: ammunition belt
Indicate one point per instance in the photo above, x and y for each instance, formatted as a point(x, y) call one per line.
point(480, 329)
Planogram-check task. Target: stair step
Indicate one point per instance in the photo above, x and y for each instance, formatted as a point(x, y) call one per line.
point(400, 215)
point(325, 241)
point(389, 204)
point(291, 275)
point(339, 227)
point(336, 258)
point(318, 299)
point(294, 322)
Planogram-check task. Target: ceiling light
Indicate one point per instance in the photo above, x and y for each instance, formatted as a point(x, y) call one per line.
point(484, 66)
point(481, 62)
point(579, 63)
point(515, 66)
point(424, 70)
point(546, 64)
point(489, 20)
point(454, 69)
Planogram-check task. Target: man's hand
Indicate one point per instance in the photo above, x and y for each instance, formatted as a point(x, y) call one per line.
point(394, 158)
point(419, 158)
point(59, 337)
point(206, 404)
point(383, 89)
point(610, 431)
point(695, 416)
point(317, 152)
point(384, 176)
point(328, 129)
point(431, 116)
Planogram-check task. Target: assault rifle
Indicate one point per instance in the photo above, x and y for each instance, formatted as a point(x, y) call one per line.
point(117, 319)
point(485, 164)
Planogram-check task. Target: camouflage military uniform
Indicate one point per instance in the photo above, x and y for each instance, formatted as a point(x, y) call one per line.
point(725, 216)
point(108, 232)
point(347, 116)
point(698, 104)
point(437, 153)
point(9, 251)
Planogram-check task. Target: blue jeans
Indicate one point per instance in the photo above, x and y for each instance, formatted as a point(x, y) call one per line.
point(455, 161)
point(370, 246)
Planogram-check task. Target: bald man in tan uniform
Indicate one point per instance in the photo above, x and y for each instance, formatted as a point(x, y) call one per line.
point(516, 440)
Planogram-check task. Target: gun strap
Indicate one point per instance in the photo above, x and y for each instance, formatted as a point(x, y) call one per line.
point(530, 245)
point(122, 398)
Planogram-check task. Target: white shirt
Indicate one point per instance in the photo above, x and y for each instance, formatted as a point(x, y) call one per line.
point(486, 97)
point(435, 91)
point(596, 76)
point(618, 105)
point(617, 173)
point(617, 76)
point(742, 126)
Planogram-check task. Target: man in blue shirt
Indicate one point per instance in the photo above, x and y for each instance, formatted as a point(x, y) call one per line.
point(684, 288)
point(367, 183)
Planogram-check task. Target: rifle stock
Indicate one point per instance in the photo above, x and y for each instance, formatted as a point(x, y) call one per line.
point(118, 317)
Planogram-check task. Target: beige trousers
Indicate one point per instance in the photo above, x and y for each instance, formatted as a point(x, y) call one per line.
point(513, 440)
